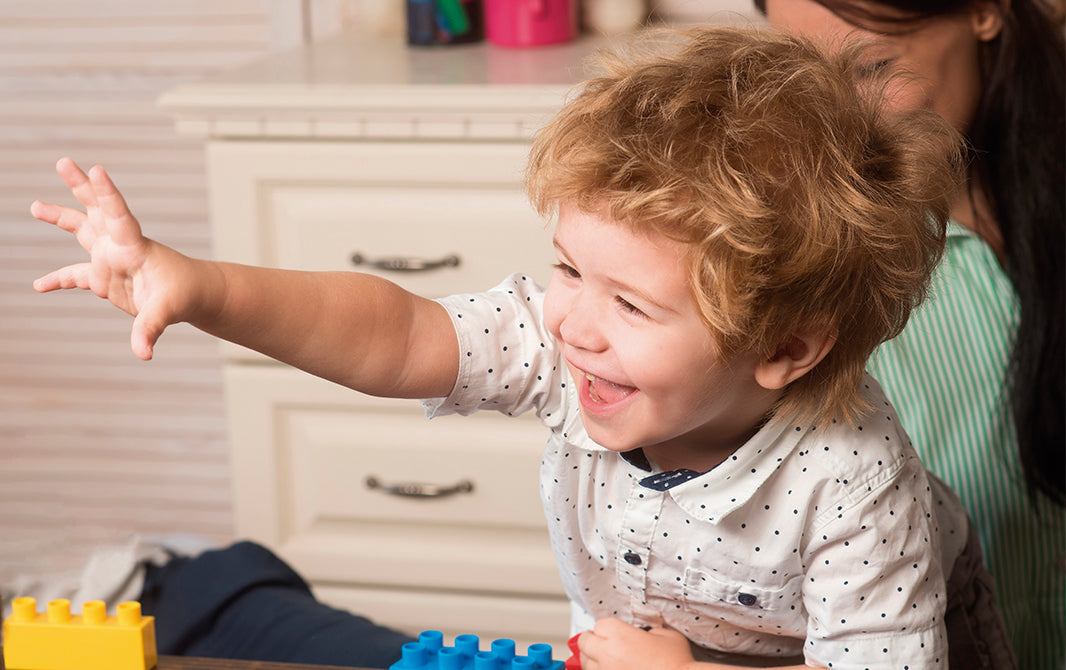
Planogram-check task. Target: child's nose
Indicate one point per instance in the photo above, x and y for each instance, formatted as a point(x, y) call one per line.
point(581, 326)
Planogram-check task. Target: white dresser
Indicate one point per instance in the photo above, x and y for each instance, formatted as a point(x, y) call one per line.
point(346, 155)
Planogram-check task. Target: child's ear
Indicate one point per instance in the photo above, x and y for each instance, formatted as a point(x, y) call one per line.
point(793, 359)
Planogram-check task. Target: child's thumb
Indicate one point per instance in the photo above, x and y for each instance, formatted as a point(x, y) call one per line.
point(148, 326)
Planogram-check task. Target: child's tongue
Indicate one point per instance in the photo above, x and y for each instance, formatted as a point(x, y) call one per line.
point(603, 391)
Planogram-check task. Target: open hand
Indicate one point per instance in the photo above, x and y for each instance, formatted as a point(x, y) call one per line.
point(130, 270)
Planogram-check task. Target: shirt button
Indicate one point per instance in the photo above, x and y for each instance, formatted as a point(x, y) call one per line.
point(632, 558)
point(746, 599)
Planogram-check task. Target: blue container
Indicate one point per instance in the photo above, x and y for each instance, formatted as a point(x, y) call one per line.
point(443, 22)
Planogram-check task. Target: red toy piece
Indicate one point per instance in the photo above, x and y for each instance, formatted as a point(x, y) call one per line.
point(574, 662)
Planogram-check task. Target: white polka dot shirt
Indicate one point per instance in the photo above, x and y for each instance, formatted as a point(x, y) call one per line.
point(820, 543)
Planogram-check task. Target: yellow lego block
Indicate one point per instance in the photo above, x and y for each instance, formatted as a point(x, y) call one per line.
point(57, 640)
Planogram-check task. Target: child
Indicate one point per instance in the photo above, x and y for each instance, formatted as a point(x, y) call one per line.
point(738, 227)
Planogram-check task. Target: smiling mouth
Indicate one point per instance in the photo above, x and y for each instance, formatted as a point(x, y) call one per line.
point(605, 392)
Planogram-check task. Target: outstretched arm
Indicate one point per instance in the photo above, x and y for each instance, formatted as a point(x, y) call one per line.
point(615, 645)
point(355, 329)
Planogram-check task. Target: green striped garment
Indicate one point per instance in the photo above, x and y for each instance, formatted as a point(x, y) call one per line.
point(945, 374)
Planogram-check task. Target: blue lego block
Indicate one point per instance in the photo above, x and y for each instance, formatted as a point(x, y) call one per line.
point(429, 653)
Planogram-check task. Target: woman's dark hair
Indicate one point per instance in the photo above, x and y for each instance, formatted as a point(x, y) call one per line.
point(1018, 152)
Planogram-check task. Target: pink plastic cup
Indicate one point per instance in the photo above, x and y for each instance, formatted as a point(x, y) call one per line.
point(527, 23)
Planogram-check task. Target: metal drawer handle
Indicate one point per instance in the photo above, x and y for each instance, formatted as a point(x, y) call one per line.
point(415, 490)
point(406, 264)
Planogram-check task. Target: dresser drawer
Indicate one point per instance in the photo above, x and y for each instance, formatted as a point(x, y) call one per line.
point(315, 206)
point(303, 450)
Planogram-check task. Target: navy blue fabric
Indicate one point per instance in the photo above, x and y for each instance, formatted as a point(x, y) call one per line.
point(243, 602)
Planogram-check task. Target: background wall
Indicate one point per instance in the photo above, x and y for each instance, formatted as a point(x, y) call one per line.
point(94, 443)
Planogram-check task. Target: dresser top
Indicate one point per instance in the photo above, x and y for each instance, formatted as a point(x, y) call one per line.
point(352, 86)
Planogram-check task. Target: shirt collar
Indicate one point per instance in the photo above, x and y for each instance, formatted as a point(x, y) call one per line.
point(715, 494)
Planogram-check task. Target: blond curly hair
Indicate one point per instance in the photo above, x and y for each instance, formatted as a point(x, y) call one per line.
point(804, 202)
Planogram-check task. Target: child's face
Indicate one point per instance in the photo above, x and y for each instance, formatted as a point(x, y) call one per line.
point(644, 362)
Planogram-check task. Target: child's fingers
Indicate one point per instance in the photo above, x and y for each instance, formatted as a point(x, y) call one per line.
point(591, 652)
point(65, 218)
point(77, 180)
point(121, 224)
point(588, 643)
point(71, 276)
point(45, 211)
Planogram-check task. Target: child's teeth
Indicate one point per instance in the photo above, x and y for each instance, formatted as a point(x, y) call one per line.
point(592, 388)
point(603, 391)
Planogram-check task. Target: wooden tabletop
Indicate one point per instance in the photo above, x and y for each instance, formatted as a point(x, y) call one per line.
point(187, 663)
point(184, 663)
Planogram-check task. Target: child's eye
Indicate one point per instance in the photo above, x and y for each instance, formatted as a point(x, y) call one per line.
point(567, 270)
point(629, 307)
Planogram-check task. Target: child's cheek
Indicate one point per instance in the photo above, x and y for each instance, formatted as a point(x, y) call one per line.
point(553, 310)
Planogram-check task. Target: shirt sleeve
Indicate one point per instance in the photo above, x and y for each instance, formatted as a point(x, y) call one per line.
point(874, 586)
point(508, 362)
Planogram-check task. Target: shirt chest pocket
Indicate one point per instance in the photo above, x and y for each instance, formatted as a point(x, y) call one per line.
point(747, 603)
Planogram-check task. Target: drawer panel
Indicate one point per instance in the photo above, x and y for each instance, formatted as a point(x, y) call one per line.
point(303, 449)
point(332, 453)
point(487, 231)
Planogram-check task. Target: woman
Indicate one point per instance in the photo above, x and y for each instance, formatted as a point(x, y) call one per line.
point(977, 375)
